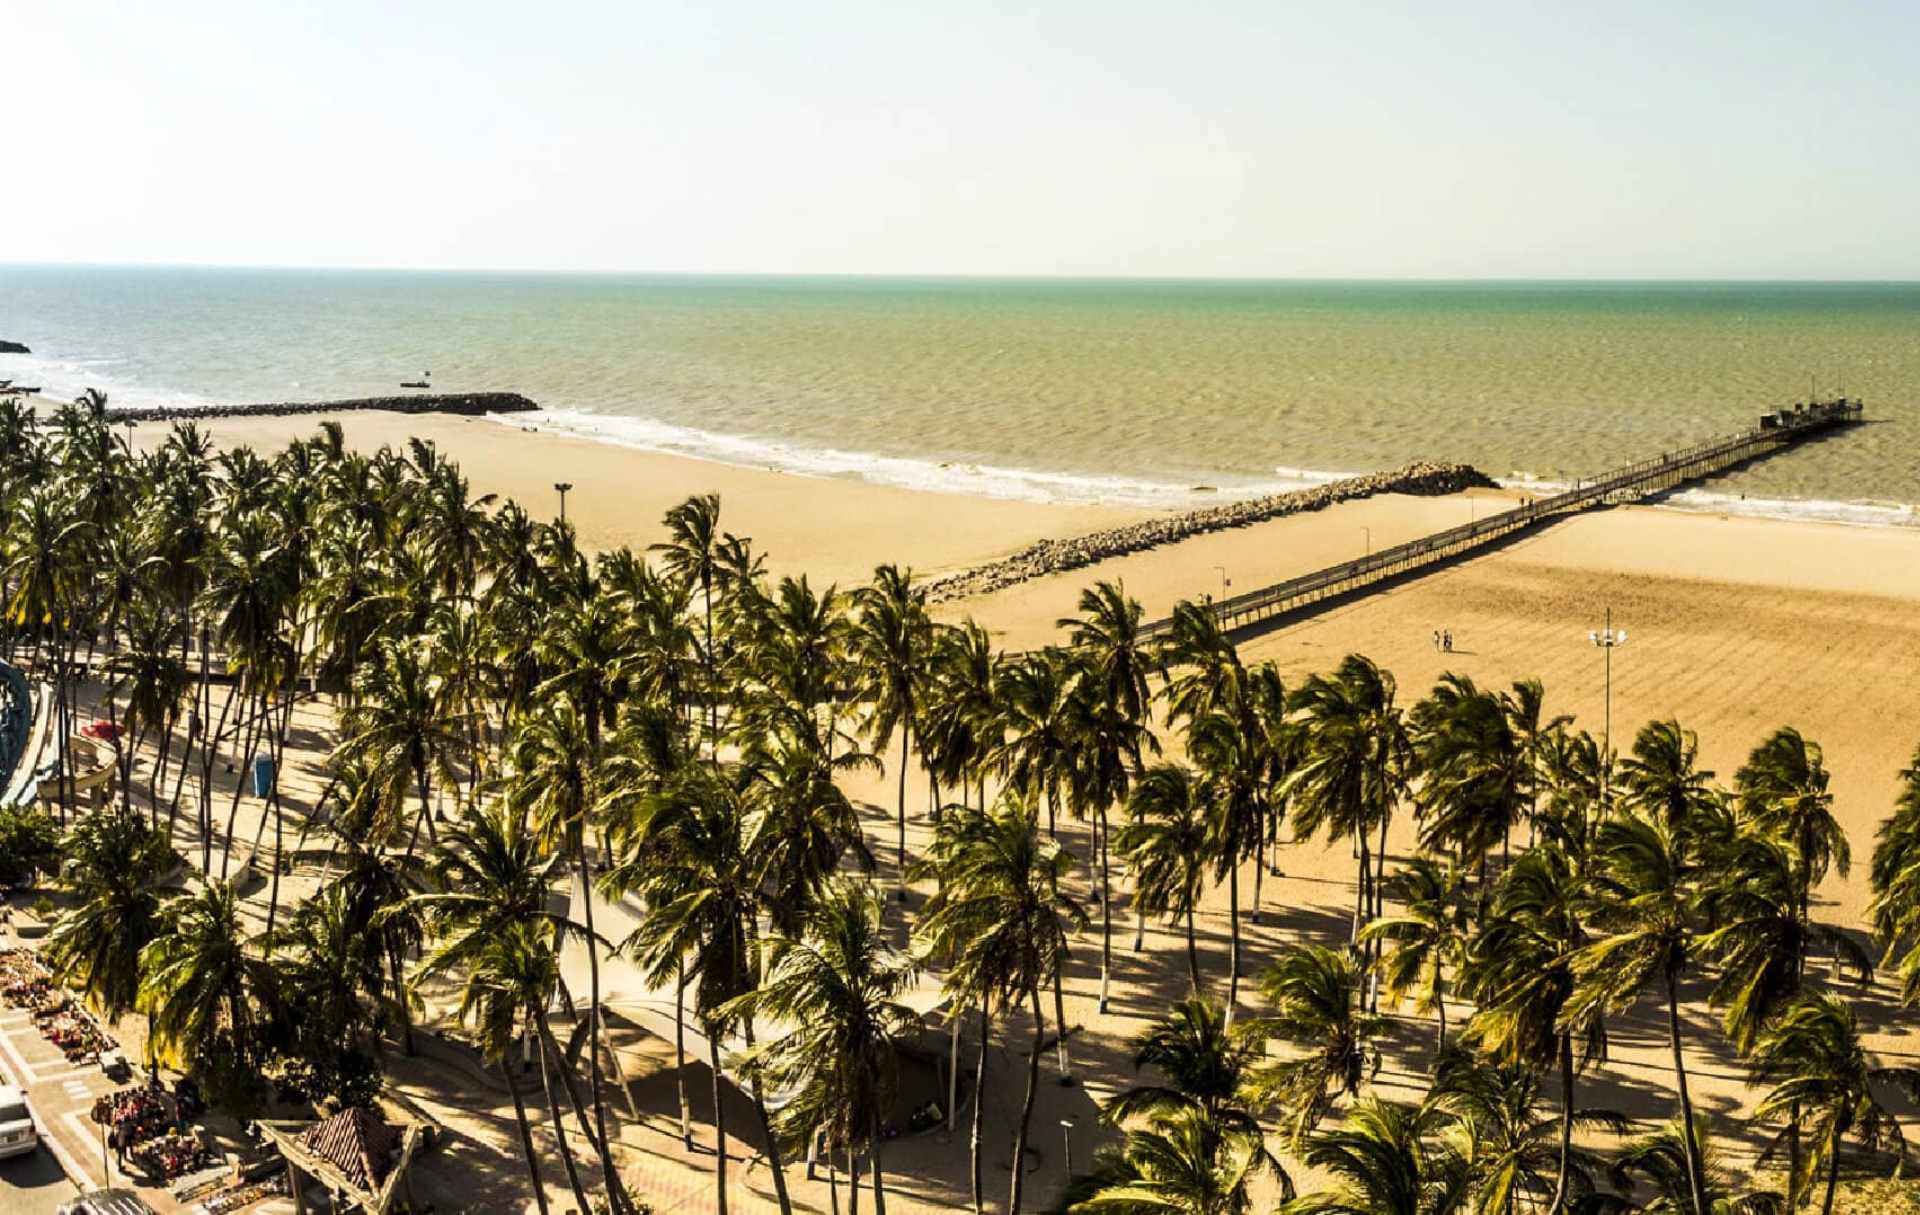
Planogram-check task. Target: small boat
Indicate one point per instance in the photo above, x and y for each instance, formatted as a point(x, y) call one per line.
point(415, 384)
point(13, 390)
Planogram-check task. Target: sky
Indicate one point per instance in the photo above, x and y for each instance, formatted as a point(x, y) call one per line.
point(1265, 139)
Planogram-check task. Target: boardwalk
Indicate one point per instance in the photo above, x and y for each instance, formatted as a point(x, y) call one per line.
point(1774, 432)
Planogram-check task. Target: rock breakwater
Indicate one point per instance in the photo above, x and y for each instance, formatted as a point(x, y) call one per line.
point(469, 404)
point(1057, 556)
point(7, 347)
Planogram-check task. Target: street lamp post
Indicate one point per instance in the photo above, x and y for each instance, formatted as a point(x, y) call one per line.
point(1066, 1137)
point(1607, 639)
point(563, 487)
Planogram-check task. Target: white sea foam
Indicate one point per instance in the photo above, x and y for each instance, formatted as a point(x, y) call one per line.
point(64, 379)
point(939, 476)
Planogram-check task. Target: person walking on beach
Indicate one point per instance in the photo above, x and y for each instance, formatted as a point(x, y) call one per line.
point(1436, 641)
point(1446, 640)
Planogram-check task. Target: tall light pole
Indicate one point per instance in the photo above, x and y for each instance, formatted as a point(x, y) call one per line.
point(563, 487)
point(1607, 639)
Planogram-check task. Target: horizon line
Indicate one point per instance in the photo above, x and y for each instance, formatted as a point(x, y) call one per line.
point(984, 277)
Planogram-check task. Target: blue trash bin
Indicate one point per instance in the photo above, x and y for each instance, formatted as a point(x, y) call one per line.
point(262, 775)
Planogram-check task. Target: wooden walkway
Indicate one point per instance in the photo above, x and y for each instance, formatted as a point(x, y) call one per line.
point(1773, 433)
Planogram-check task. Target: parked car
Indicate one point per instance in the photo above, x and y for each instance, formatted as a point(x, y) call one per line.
point(18, 1135)
point(105, 1202)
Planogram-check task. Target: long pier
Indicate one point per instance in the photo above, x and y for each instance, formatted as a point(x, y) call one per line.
point(1773, 432)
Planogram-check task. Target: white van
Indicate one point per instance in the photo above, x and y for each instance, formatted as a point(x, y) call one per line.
point(17, 1133)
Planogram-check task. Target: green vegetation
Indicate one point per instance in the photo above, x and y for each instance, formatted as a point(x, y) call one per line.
point(512, 716)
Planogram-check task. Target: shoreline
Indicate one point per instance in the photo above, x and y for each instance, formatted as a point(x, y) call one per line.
point(457, 404)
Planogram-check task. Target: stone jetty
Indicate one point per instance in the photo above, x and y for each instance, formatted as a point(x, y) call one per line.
point(469, 404)
point(1057, 556)
point(7, 347)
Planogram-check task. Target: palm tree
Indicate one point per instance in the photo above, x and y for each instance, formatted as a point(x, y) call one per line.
point(1519, 973)
point(155, 679)
point(1207, 1066)
point(510, 982)
point(892, 638)
point(118, 866)
point(1353, 763)
point(1107, 634)
point(1426, 940)
point(838, 986)
point(1476, 772)
point(1895, 879)
point(1663, 776)
point(1506, 1144)
point(1001, 918)
point(1230, 747)
point(1164, 842)
point(400, 721)
point(693, 558)
point(1318, 1011)
point(1182, 1163)
point(1099, 775)
point(691, 864)
point(1661, 1162)
point(1644, 899)
point(1384, 1165)
point(1783, 789)
point(552, 778)
point(209, 993)
point(324, 969)
point(1819, 1072)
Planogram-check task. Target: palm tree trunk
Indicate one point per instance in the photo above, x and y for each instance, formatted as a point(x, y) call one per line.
point(1060, 1019)
point(1259, 874)
point(720, 1128)
point(1695, 1181)
point(1364, 874)
point(901, 853)
point(766, 1127)
point(1139, 924)
point(1233, 933)
point(879, 1189)
point(1026, 1108)
point(560, 1134)
point(616, 1192)
point(593, 1023)
point(980, 1099)
point(526, 1135)
point(1833, 1175)
point(833, 1180)
point(1193, 954)
point(1559, 1206)
point(1106, 910)
point(680, 1051)
point(953, 1070)
point(853, 1181)
point(252, 729)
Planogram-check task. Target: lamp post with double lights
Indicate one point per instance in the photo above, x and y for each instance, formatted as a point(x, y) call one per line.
point(1608, 639)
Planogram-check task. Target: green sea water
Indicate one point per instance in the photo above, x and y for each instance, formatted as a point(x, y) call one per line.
point(1123, 391)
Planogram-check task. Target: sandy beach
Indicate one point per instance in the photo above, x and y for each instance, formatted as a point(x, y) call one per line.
point(1735, 625)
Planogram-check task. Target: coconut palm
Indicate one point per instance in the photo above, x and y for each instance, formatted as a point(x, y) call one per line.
point(1812, 1057)
point(1476, 773)
point(1385, 1162)
point(1663, 777)
point(1164, 842)
point(1895, 878)
point(155, 680)
point(1506, 1144)
point(1519, 973)
point(1199, 662)
point(401, 721)
point(693, 558)
point(209, 992)
point(1182, 1163)
point(1001, 919)
point(1207, 1068)
point(1229, 746)
point(1100, 774)
point(1318, 1012)
point(892, 639)
point(838, 986)
point(510, 982)
point(1353, 764)
point(1107, 634)
point(1644, 896)
point(1782, 789)
point(1660, 1162)
point(118, 867)
point(1425, 941)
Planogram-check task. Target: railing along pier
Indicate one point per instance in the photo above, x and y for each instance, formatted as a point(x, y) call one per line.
point(1772, 433)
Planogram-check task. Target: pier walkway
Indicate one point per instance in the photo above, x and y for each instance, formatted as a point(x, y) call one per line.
point(1774, 432)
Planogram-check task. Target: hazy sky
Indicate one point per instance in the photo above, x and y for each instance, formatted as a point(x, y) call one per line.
point(1265, 138)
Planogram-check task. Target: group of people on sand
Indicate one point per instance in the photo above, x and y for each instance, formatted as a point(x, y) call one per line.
point(1443, 640)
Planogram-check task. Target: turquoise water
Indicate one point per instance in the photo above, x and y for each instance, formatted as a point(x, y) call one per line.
point(1138, 392)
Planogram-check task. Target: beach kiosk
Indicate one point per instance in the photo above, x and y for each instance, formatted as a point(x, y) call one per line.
point(362, 1160)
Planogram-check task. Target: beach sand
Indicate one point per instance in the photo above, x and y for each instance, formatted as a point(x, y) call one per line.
point(1735, 626)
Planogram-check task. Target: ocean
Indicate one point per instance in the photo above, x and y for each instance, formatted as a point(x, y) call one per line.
point(1153, 393)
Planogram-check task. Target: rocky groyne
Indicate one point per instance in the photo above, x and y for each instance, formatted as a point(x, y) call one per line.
point(7, 347)
point(469, 404)
point(1056, 556)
